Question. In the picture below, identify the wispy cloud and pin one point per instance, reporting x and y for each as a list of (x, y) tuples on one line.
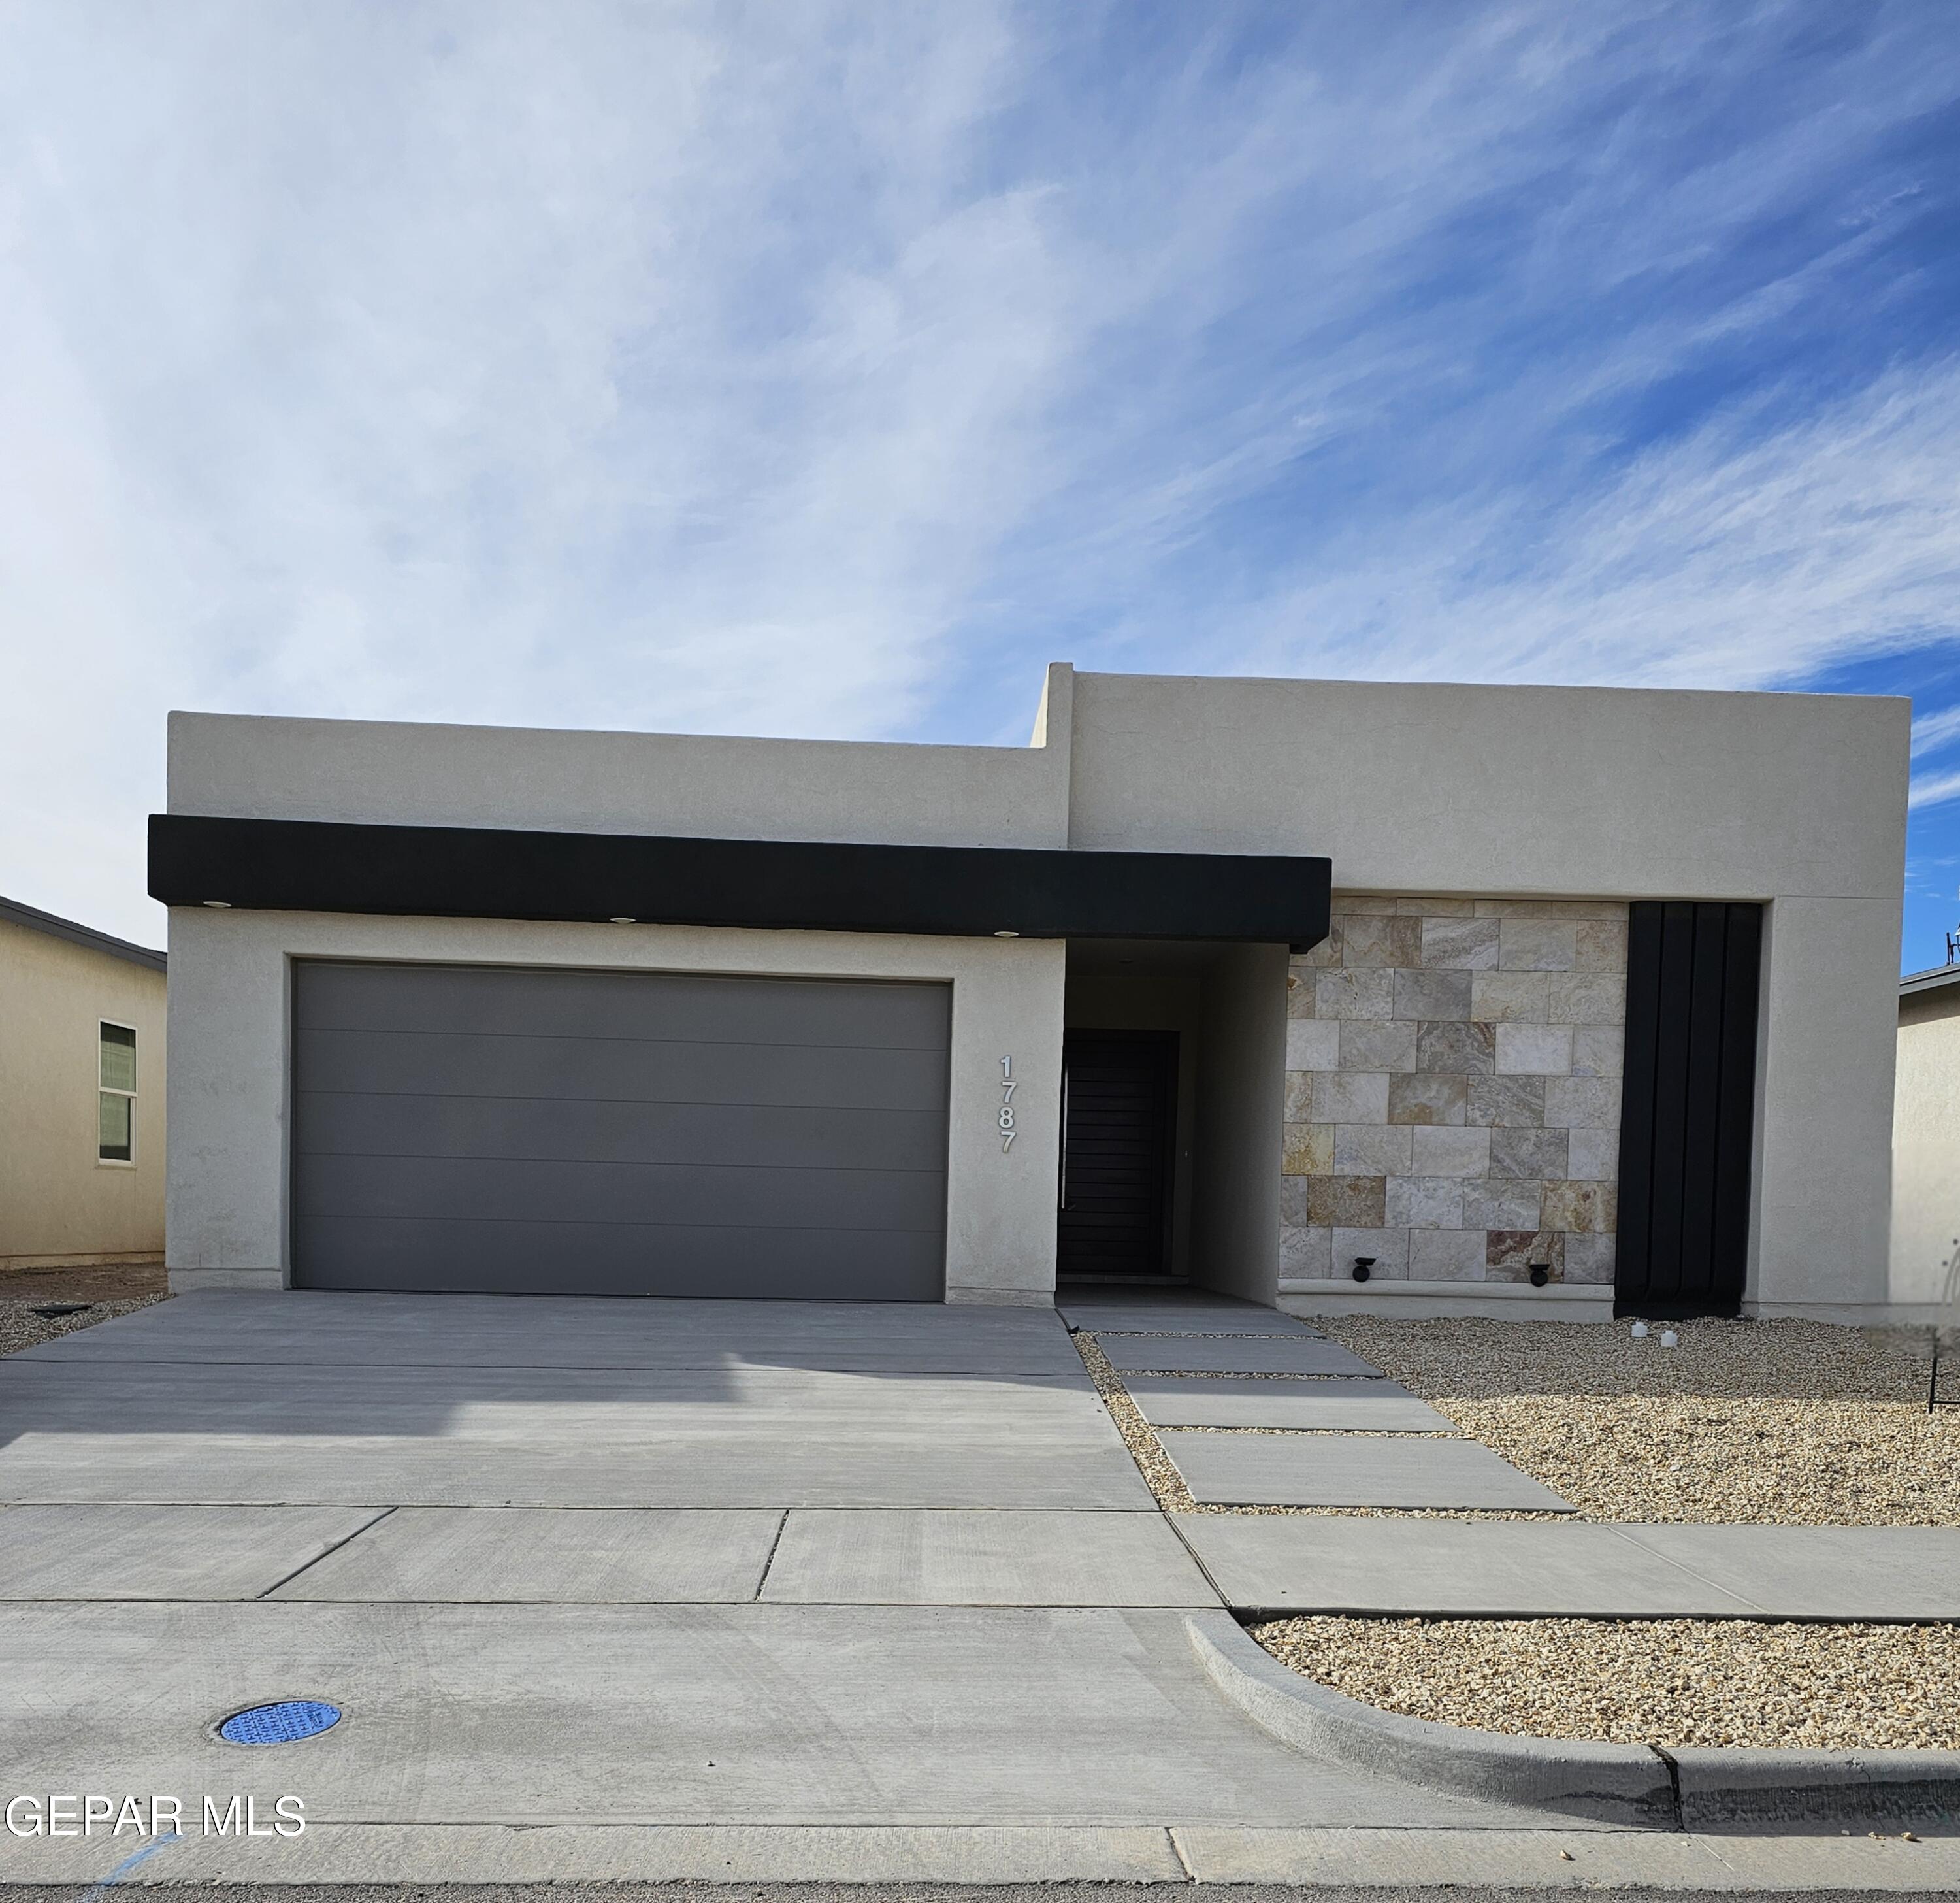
[(1933, 733), (1731, 558), (825, 369)]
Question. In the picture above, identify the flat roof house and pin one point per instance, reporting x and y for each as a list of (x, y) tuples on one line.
[(1413, 998), (1926, 1141), (81, 1094)]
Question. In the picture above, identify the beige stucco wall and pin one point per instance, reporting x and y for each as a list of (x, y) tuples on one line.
[(1925, 1144), (230, 996), (57, 1202), (1241, 1098), (686, 786)]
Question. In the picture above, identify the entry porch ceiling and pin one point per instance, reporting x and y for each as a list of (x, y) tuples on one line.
[(956, 891)]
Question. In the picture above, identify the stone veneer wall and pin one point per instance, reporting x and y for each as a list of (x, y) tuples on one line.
[(1453, 1090)]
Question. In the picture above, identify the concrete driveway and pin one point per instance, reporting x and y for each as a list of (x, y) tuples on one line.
[(604, 1568)]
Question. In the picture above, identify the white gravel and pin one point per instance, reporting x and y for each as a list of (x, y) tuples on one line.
[(1670, 1682), (1162, 1477), (1792, 1423)]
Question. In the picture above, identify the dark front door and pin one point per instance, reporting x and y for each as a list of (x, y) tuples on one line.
[(1687, 1117), (1119, 1115)]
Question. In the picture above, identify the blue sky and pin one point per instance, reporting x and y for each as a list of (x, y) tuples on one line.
[(827, 369)]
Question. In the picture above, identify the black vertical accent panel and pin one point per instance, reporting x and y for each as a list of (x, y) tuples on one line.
[(1670, 1092), (1734, 1164), (1636, 1098), (1701, 1108), (1687, 1114)]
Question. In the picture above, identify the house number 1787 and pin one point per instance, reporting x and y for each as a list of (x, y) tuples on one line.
[(1007, 1088)]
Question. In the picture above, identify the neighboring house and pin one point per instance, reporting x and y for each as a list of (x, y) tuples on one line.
[(81, 1094), (1267, 984), (1925, 1136)]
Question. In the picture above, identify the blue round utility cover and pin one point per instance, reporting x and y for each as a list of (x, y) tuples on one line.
[(284, 1723)]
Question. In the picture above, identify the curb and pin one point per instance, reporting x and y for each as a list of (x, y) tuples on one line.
[(1724, 1788), (1610, 1783), (1152, 1863), (1626, 1784)]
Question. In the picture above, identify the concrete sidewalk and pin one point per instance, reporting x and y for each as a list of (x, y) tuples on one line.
[(1520, 1568)]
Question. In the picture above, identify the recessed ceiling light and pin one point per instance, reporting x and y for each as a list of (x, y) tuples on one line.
[(624, 921), (219, 905), (1007, 934)]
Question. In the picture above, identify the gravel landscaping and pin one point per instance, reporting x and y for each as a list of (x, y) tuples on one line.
[(21, 1327), (1162, 1477), (1790, 1423), (103, 1292), (1670, 1682)]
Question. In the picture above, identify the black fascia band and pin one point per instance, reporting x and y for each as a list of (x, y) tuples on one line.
[(960, 891)]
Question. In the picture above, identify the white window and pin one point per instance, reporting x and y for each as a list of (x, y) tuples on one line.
[(116, 1100)]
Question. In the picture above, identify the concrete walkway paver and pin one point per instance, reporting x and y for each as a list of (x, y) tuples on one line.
[(1120, 1310), (1380, 1406), (1318, 1430), (1350, 1470), (1230, 1355)]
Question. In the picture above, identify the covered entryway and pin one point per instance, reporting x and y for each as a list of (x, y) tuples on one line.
[(1176, 1068), (502, 1130)]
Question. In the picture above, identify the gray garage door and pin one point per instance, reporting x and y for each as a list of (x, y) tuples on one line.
[(602, 1133)]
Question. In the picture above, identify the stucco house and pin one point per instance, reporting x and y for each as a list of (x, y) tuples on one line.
[(1926, 1140), (81, 1094), (1417, 999)]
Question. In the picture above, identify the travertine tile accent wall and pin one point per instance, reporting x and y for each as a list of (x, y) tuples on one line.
[(1453, 1090)]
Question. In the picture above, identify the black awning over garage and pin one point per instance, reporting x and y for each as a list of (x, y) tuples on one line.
[(961, 891)]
